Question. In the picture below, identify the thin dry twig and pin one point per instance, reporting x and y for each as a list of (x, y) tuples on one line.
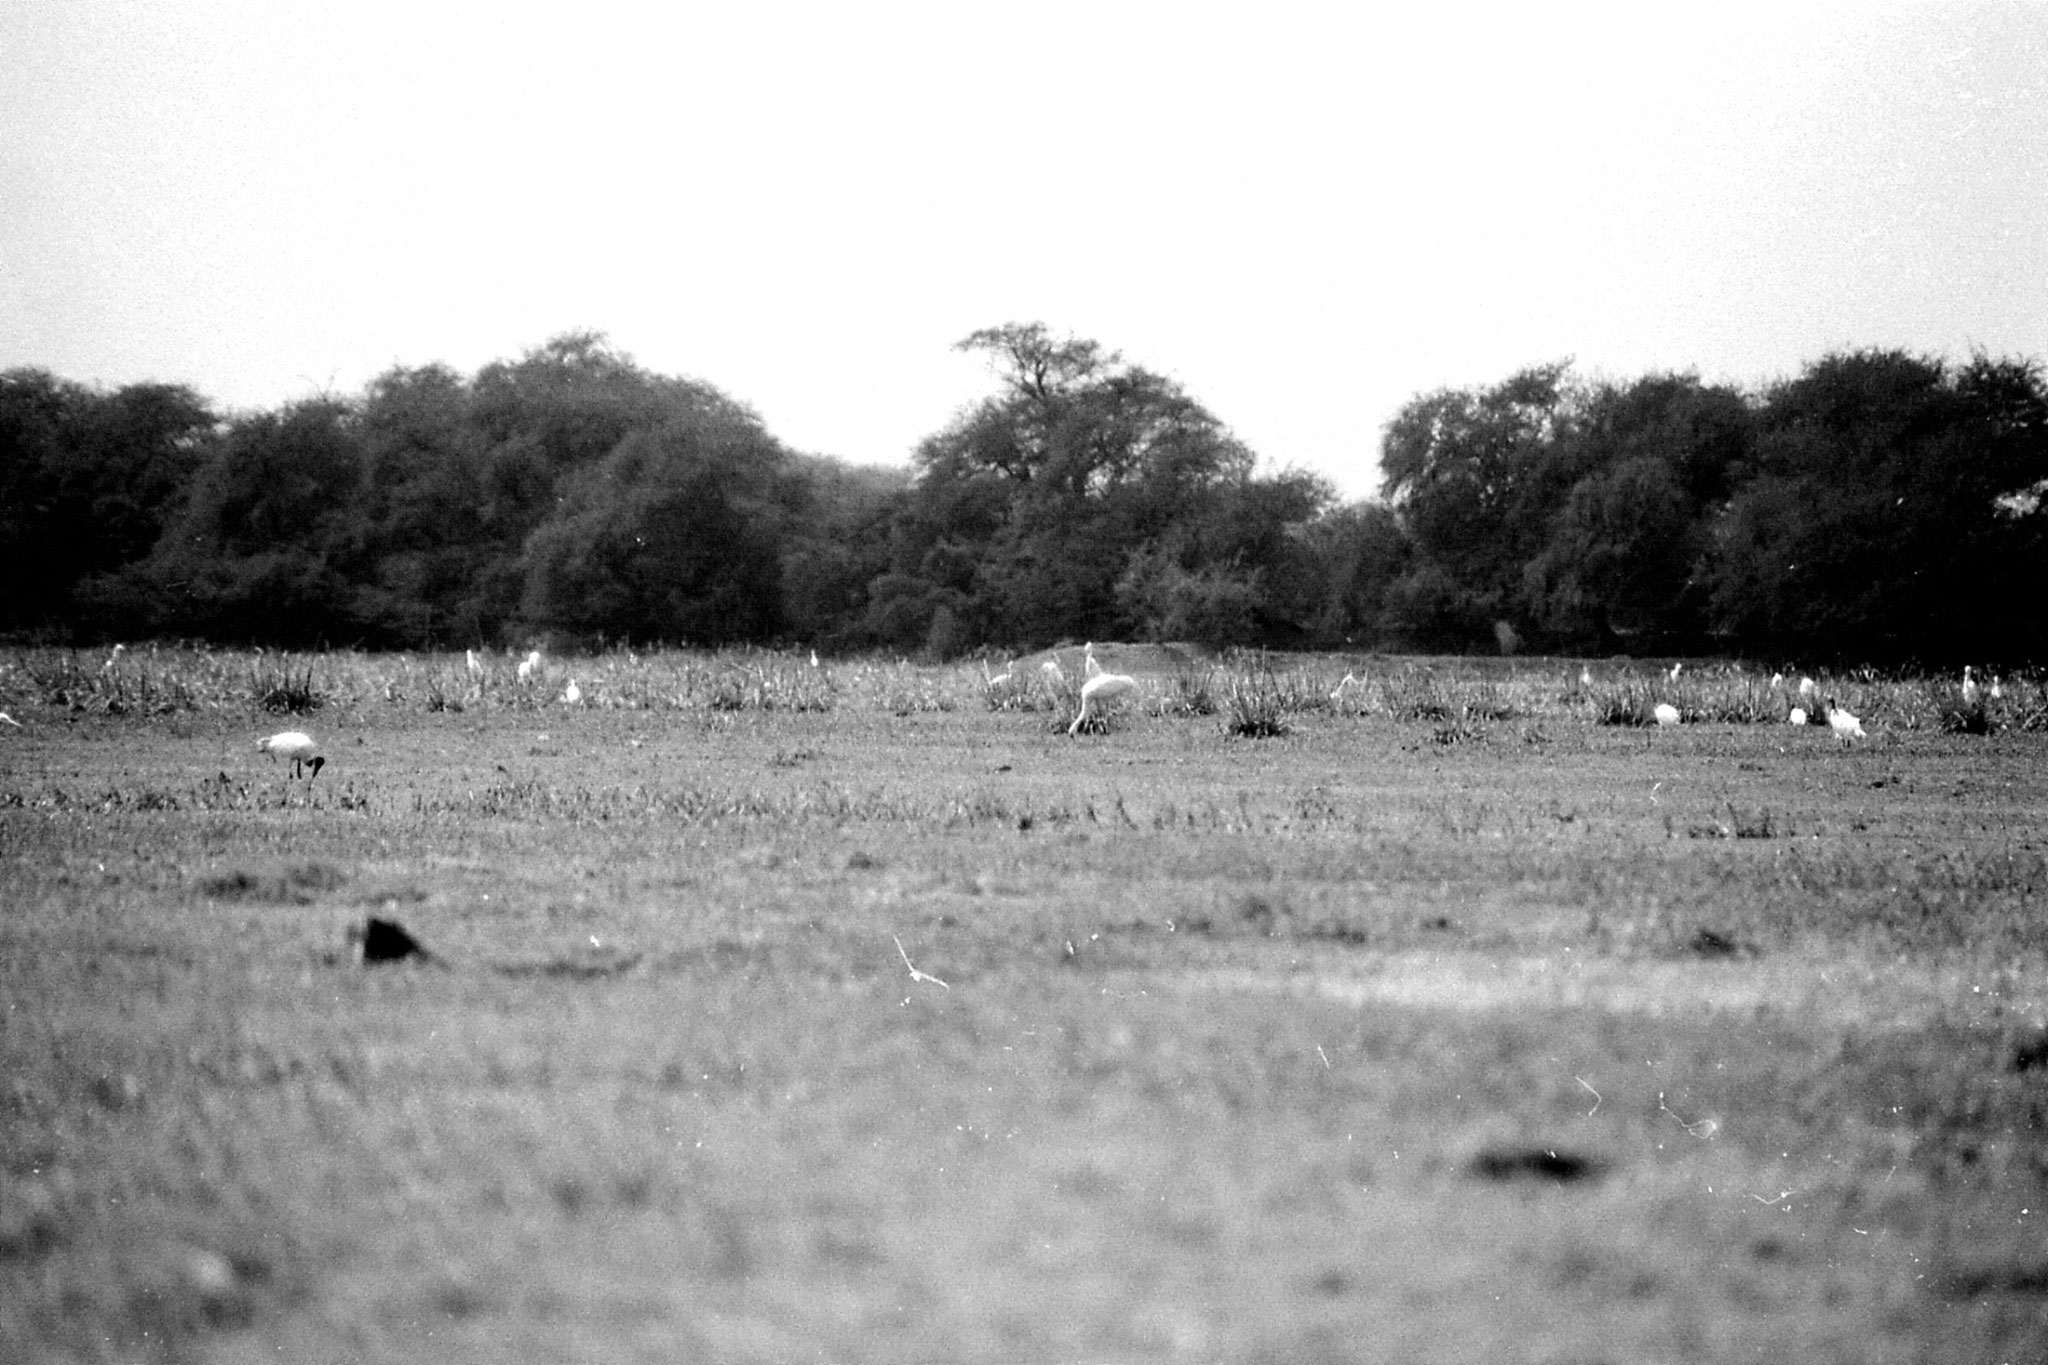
[(915, 974)]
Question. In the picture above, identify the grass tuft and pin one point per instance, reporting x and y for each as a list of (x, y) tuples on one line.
[(1255, 705), (278, 689)]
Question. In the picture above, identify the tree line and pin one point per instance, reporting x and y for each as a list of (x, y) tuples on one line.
[(1880, 506)]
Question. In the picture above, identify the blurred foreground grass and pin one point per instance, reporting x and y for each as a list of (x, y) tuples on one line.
[(1555, 1041)]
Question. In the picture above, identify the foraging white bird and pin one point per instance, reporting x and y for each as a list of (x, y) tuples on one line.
[(1666, 713), (296, 745), (1103, 687), (1798, 716), (1845, 726), (1970, 689), (529, 666), (6, 719), (572, 695)]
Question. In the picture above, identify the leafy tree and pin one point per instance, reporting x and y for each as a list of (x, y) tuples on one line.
[(87, 482), (248, 556), (1649, 460), (420, 549), (1875, 524), (1361, 551), (1032, 508), (1475, 476), (673, 536), (838, 542)]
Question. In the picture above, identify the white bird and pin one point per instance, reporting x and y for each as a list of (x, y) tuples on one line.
[(1997, 688), (1970, 689), (6, 719), (1675, 670), (1054, 674), (476, 665), (1585, 675), (529, 666), (572, 694), (1103, 687), (814, 658), (1777, 681), (113, 659), (1001, 679), (1088, 664), (1337, 692), (1808, 691), (296, 745), (1845, 726), (1798, 716), (1666, 713)]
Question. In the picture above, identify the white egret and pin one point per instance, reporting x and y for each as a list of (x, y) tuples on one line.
[(1666, 713), (572, 695), (1798, 716), (1845, 726), (1103, 687), (529, 666)]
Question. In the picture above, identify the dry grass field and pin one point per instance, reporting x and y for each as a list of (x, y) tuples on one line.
[(858, 1014)]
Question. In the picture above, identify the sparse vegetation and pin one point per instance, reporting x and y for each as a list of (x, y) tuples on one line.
[(1696, 1044)]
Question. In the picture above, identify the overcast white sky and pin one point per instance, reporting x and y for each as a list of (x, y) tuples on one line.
[(1306, 214)]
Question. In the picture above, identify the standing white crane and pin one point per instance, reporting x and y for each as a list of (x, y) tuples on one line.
[(572, 695), (475, 665), (1088, 664), (1100, 689), (296, 745), (529, 666)]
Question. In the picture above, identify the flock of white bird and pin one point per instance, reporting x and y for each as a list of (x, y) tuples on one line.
[(1099, 689)]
